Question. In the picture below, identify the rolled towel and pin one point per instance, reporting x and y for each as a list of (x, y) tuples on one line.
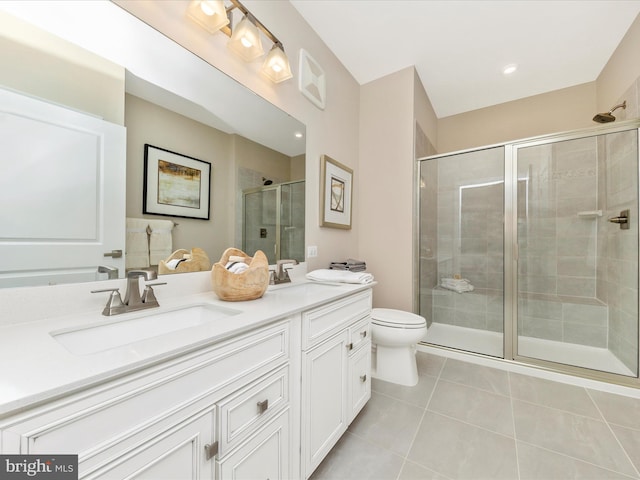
[(236, 267), (173, 264), (459, 285), (340, 276)]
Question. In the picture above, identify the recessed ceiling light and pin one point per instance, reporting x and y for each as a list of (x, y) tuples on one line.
[(509, 69), (298, 135)]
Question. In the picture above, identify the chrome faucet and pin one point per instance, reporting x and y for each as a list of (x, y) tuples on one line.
[(281, 275), (112, 272), (132, 300)]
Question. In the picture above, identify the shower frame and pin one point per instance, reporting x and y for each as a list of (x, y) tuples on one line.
[(277, 188), (510, 253)]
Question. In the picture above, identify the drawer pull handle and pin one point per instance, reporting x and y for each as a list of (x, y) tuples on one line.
[(349, 346), (263, 405), (363, 334), (363, 378), (211, 450)]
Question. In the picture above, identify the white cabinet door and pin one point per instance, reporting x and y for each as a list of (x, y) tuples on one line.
[(176, 454), (263, 456), (324, 398), (77, 164)]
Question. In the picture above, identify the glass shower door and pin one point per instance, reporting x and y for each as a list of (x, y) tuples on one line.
[(577, 270), (292, 221), (462, 249), (260, 221), (273, 221)]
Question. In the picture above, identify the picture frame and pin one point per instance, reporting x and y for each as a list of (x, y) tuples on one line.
[(336, 193), (175, 185)]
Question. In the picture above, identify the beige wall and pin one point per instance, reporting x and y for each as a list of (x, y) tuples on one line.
[(622, 70), (385, 194), (558, 111), (43, 65)]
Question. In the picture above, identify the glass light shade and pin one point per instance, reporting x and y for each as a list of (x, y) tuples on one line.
[(245, 40), (209, 14), (276, 66)]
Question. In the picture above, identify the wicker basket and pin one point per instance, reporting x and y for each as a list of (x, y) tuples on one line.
[(237, 287), (197, 261)]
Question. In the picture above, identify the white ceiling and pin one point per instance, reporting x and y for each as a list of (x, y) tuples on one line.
[(460, 47)]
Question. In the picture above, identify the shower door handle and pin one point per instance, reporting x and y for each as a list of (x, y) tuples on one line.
[(622, 220)]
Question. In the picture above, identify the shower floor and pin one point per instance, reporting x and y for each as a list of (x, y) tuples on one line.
[(491, 343)]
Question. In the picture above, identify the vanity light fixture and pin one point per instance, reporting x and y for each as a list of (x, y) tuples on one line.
[(209, 14), (245, 40), (276, 66), (245, 37)]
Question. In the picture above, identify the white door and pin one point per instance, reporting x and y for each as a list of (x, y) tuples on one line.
[(62, 193)]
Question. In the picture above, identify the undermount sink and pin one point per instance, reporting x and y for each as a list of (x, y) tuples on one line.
[(142, 326)]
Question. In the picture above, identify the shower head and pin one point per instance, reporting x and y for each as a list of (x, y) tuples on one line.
[(607, 117)]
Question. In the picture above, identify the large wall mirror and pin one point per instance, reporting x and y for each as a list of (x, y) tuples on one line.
[(95, 58)]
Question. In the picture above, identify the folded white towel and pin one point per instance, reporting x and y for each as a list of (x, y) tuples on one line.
[(160, 240), (340, 276), (459, 285), (136, 243)]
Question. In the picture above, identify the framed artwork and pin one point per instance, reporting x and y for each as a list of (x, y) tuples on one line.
[(336, 192), (175, 185)]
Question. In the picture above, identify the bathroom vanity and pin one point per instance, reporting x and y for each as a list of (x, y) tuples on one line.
[(243, 390)]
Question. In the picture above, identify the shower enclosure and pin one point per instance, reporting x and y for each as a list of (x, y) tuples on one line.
[(545, 233), (273, 220)]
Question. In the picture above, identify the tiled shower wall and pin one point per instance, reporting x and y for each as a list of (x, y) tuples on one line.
[(617, 283)]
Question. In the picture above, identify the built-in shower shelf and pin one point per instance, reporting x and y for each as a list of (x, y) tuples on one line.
[(590, 214)]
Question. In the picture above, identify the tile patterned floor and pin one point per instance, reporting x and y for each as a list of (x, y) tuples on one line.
[(467, 421)]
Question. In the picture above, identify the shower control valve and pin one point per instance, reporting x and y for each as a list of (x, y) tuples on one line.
[(622, 220)]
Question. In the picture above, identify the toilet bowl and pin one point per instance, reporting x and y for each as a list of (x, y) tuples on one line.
[(394, 334)]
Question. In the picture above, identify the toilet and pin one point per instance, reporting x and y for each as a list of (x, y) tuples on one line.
[(394, 334)]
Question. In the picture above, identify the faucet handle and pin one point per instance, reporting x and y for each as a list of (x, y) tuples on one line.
[(149, 296), (114, 304)]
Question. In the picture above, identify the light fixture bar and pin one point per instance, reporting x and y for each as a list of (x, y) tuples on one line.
[(258, 23)]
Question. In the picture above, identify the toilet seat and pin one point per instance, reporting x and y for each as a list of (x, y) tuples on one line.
[(387, 317)]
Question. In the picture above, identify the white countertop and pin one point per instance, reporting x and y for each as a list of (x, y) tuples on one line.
[(34, 367)]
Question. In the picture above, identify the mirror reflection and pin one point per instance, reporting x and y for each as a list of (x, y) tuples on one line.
[(191, 108)]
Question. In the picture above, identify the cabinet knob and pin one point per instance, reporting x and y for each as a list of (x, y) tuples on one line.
[(263, 405), (349, 346), (363, 334), (363, 378)]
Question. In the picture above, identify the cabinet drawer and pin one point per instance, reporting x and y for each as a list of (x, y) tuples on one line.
[(359, 379), (243, 412), (359, 333), (320, 323), (101, 422)]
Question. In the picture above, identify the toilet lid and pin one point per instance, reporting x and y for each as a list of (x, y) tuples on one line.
[(397, 318)]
